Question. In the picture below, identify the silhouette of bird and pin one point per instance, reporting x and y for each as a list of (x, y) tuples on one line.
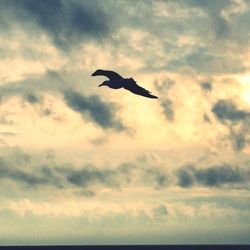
[(116, 82)]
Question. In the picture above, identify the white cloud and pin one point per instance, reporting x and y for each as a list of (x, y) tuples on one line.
[(25, 55)]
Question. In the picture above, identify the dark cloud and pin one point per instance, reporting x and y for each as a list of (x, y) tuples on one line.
[(205, 54), (155, 176), (236, 120), (90, 175), (67, 22), (40, 176), (241, 27), (19, 157), (206, 86), (218, 23), (94, 108), (185, 176), (238, 139), (164, 85), (32, 98), (46, 112), (219, 175), (28, 89), (167, 105), (15, 174), (25, 170), (227, 110), (86, 193), (214, 176), (168, 109), (202, 59), (142, 174), (216, 6)]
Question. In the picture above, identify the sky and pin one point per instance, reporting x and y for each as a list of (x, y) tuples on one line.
[(86, 165)]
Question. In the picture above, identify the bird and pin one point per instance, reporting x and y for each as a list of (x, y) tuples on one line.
[(116, 82)]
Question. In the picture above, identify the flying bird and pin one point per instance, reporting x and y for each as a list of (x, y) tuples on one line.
[(116, 82)]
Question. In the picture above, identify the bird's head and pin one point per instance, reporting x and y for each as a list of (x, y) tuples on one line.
[(105, 83)]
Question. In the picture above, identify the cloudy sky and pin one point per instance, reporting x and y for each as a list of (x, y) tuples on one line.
[(86, 165)]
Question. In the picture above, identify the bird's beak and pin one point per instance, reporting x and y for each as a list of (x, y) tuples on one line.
[(101, 85)]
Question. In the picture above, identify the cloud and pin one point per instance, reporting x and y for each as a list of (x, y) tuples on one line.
[(38, 174), (204, 60), (154, 176), (90, 175), (240, 203), (167, 105), (5, 119), (99, 140), (95, 109), (28, 89), (42, 176), (189, 45), (160, 212), (213, 176), (43, 172), (207, 86), (214, 10), (238, 139), (7, 134), (32, 98), (206, 118), (217, 176), (227, 110), (168, 110), (164, 85), (91, 107), (236, 120), (66, 22), (185, 176), (20, 176)]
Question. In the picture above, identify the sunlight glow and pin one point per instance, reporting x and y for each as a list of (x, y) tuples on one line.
[(245, 92)]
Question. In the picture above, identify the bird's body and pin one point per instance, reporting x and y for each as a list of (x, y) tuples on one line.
[(116, 82)]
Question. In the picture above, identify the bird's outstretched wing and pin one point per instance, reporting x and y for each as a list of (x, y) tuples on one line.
[(132, 86), (113, 76)]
